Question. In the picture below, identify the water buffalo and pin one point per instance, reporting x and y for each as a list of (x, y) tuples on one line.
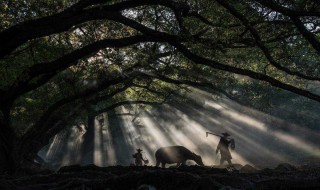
[(176, 154)]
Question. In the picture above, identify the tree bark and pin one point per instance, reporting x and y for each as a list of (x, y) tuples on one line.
[(88, 141), (8, 162)]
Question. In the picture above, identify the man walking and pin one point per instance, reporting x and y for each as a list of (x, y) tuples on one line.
[(223, 147)]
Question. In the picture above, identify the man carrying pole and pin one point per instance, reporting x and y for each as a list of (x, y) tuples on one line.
[(223, 147)]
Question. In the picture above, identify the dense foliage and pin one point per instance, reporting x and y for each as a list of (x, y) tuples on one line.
[(62, 60)]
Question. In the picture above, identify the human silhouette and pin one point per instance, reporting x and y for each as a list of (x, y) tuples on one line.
[(138, 158), (223, 147)]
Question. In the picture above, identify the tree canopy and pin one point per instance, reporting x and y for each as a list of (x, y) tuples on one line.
[(89, 56)]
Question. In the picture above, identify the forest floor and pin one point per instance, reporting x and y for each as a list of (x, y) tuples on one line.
[(284, 176)]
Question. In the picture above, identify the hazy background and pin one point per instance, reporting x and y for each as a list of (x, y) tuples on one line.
[(263, 138)]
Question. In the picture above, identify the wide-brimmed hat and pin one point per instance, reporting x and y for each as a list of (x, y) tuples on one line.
[(226, 134), (139, 150)]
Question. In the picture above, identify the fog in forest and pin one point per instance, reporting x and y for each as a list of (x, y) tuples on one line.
[(262, 140)]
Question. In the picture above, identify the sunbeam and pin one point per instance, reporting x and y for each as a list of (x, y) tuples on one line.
[(261, 140), (98, 155), (108, 143)]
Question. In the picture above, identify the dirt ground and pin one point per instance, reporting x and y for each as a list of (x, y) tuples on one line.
[(284, 176)]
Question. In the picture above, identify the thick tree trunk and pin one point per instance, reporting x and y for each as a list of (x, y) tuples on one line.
[(8, 162)]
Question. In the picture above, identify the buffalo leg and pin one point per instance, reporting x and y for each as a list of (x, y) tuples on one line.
[(163, 165)]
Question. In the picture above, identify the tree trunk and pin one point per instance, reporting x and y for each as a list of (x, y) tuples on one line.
[(8, 162), (40, 134), (32, 143), (88, 144)]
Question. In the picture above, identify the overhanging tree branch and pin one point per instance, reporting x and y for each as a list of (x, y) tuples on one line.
[(294, 16), (15, 36), (259, 42), (310, 37), (115, 105), (174, 41), (40, 127), (287, 11), (48, 70), (86, 93), (214, 64)]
